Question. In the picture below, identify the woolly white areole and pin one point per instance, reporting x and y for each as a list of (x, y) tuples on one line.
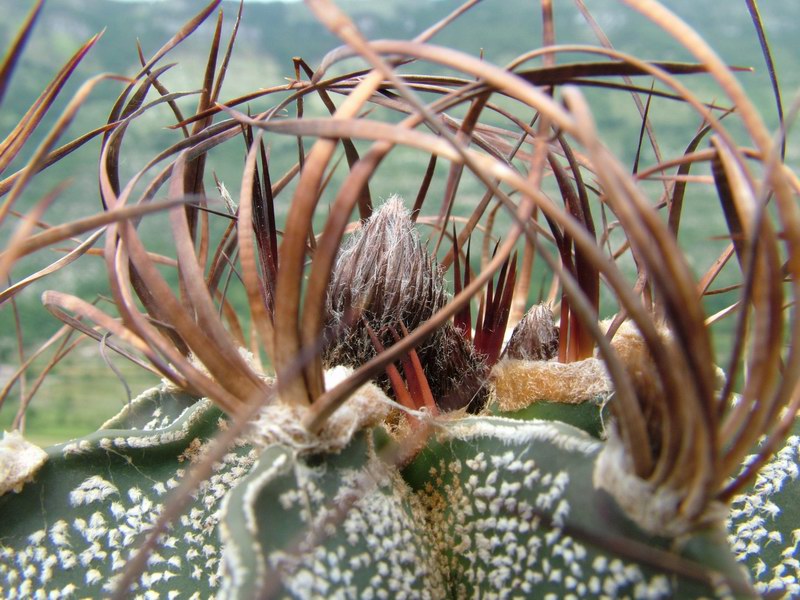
[(19, 461), (657, 510), (281, 422)]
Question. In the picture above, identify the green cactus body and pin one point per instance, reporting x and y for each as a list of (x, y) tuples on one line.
[(490, 507), (519, 516), (339, 526), (72, 530), (764, 523), (587, 416)]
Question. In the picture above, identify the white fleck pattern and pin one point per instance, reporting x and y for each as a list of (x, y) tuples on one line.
[(106, 521), (759, 533), (93, 489)]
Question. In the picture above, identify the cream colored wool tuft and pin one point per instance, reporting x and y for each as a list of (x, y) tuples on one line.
[(655, 509), (19, 461), (282, 423), (520, 383)]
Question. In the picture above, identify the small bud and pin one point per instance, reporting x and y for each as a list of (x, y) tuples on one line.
[(535, 337)]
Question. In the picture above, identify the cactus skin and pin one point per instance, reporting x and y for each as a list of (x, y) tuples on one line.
[(73, 529), (764, 523), (470, 515), (513, 501), (155, 409), (342, 526), (588, 416)]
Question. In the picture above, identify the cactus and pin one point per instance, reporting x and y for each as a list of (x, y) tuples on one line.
[(75, 526), (395, 446), (762, 525), (489, 506)]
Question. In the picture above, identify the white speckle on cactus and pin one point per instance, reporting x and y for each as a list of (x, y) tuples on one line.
[(159, 420), (93, 489), (753, 529), (328, 566), (19, 461), (35, 539), (511, 551), (93, 576), (142, 439), (97, 542), (76, 448), (509, 431)]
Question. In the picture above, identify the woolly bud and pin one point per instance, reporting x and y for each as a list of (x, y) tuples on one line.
[(535, 337), (384, 276)]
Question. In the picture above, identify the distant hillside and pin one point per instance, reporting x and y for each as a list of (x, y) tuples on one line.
[(272, 33)]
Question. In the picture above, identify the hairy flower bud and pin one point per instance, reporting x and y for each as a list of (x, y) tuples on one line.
[(535, 337), (383, 277)]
